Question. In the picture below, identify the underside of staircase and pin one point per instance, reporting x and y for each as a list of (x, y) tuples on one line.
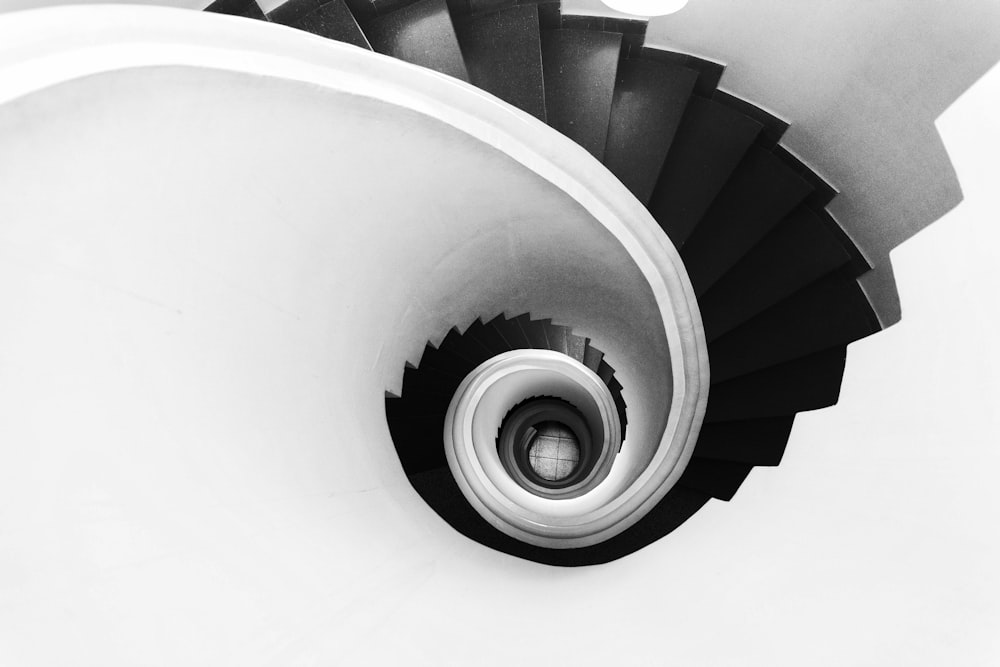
[(774, 274)]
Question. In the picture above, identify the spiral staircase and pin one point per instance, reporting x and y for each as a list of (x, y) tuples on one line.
[(774, 275)]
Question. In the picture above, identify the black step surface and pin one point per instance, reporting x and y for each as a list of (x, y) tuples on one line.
[(292, 11), (831, 312), (719, 479), (649, 101), (434, 45), (580, 68), (592, 357), (334, 20), (558, 337), (709, 144), (794, 254), (535, 331), (576, 347), (759, 442), (503, 55), (761, 191), (245, 8), (439, 489), (513, 332), (807, 383)]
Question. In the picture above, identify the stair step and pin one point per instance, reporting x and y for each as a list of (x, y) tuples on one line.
[(808, 383), (580, 68), (773, 128), (576, 346), (615, 387), (649, 102), (558, 337), (797, 252), (760, 193), (444, 361), (503, 55), (513, 333), (293, 11), (434, 45), (719, 479), (831, 312), (709, 72), (245, 8), (759, 442), (708, 146), (605, 372), (592, 357), (334, 20), (420, 448), (535, 331), (469, 347), (488, 338)]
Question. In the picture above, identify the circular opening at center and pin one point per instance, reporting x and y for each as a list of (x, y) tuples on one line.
[(554, 452)]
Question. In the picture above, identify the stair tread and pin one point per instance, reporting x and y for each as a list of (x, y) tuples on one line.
[(580, 68), (503, 55), (576, 346), (797, 252), (761, 191), (434, 46), (708, 145), (831, 312), (557, 337), (759, 442), (334, 20), (245, 8), (592, 357), (649, 101), (288, 13), (535, 331), (513, 333), (806, 383), (720, 479)]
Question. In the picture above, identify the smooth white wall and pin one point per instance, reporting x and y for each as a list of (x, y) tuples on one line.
[(209, 280)]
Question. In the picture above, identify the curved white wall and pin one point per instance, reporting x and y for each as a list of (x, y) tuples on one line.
[(873, 543)]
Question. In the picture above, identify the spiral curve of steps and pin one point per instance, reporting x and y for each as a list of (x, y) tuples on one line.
[(774, 274)]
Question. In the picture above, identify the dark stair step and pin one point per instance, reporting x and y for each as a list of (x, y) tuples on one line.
[(759, 442), (592, 357), (444, 362), (434, 45), (472, 346), (615, 387), (535, 331), (719, 479), (293, 11), (761, 191), (605, 372), (558, 337), (245, 8), (503, 55), (808, 383), (799, 251), (829, 313), (334, 20), (576, 346), (580, 68), (513, 333), (708, 146), (418, 450), (491, 338), (649, 102)]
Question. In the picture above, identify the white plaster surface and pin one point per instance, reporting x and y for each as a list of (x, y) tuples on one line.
[(228, 513)]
